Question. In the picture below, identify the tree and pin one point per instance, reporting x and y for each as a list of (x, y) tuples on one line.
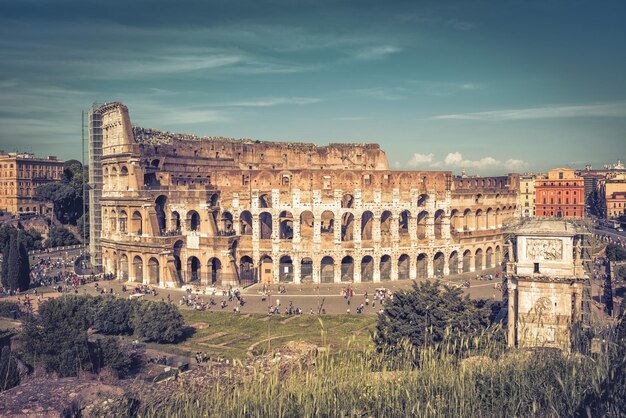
[(158, 321), (83, 226), (23, 276), (9, 373), (60, 236), (429, 313), (113, 316), (13, 270), (615, 252), (67, 201)]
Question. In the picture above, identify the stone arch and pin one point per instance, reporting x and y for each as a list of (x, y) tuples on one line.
[(439, 261), (385, 267), (367, 269), (467, 261), (138, 269), (366, 225), (154, 275), (347, 269), (307, 224), (194, 270), (489, 258), (327, 271), (159, 208), (478, 260), (193, 219), (265, 223), (422, 200), (286, 269), (265, 201), (453, 263), (404, 222), (214, 200), (454, 220), (439, 216), (327, 226), (347, 227), (214, 269), (306, 270), (123, 221), (246, 270), (347, 201), (468, 219), (286, 225), (480, 219), (497, 255), (385, 224), (136, 223), (113, 221), (422, 266), (489, 222), (245, 223), (422, 221), (404, 267), (267, 269), (175, 222), (124, 266)]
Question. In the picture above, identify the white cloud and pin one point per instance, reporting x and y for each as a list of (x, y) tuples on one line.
[(420, 159), (275, 101), (376, 52), (615, 110), (381, 93)]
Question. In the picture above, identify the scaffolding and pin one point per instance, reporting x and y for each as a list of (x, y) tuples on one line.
[(95, 185)]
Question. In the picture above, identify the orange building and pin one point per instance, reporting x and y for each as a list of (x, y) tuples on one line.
[(612, 195), (560, 195), (20, 174)]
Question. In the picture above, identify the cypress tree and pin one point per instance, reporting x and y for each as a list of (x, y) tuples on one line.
[(13, 270), (23, 277), (5, 264)]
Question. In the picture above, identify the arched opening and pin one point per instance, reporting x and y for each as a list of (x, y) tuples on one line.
[(227, 223), (404, 267), (438, 264), (154, 275), (123, 222), (367, 269), (286, 269), (489, 223), (175, 223), (468, 220), (193, 270), (327, 270), (214, 267), (193, 218), (439, 215), (267, 269), (480, 220), (385, 267), (214, 200), (403, 222), (497, 256), (347, 227), (159, 208), (124, 266), (453, 263), (138, 269), (265, 221), (347, 269), (454, 221), (422, 200), (489, 258), (366, 225), (113, 221), (467, 261), (178, 246), (422, 266), (306, 270), (478, 260), (136, 223), (328, 223), (422, 221), (307, 222), (347, 201), (286, 225), (265, 201), (385, 225), (245, 223), (246, 270)]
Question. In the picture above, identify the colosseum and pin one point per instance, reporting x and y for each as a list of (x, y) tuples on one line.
[(180, 210)]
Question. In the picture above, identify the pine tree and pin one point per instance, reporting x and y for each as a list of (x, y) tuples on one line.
[(23, 278), (13, 270)]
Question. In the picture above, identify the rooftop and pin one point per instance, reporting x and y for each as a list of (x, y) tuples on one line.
[(548, 227)]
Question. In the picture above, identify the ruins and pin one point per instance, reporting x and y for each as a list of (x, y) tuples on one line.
[(177, 209)]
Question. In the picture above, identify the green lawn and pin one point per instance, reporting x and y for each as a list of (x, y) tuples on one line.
[(233, 336)]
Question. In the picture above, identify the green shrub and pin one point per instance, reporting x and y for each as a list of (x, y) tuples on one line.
[(113, 316), (7, 308), (615, 252), (158, 321)]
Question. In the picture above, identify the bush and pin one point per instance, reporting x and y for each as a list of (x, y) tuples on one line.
[(113, 316), (109, 353), (60, 236), (615, 252), (158, 321), (7, 308)]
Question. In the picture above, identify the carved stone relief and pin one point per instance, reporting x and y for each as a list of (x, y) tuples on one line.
[(544, 249)]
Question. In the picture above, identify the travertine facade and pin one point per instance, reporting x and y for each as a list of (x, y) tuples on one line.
[(177, 209)]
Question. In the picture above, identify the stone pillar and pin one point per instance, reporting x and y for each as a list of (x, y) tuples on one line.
[(317, 228), (430, 227), (337, 229), (296, 228), (577, 302), (376, 229), (512, 308), (275, 228), (357, 269), (395, 228), (337, 271), (460, 262), (316, 272), (446, 265), (376, 261), (472, 261), (237, 224), (297, 269), (413, 228), (357, 230), (256, 227), (430, 268), (412, 267), (445, 228)]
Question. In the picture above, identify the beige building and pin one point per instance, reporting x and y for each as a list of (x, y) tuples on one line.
[(546, 283), (527, 195), (20, 175), (182, 210), (612, 195)]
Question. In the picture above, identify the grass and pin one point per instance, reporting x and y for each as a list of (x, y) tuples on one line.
[(233, 336)]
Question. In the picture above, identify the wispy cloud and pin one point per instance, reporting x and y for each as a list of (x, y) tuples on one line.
[(456, 160), (376, 52), (443, 88), (611, 110), (420, 159), (275, 101), (382, 93)]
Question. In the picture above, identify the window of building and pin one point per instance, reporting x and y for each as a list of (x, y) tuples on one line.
[(560, 174)]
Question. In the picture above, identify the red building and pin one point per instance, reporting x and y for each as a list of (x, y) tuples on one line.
[(560, 195)]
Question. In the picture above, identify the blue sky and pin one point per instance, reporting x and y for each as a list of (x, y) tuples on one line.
[(489, 86)]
